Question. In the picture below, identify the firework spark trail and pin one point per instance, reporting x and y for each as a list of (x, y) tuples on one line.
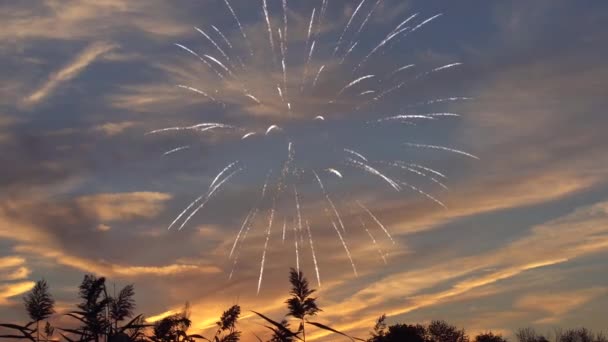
[(369, 169), (423, 194), (429, 170), (352, 263), (280, 92), (305, 76), (255, 211), (443, 148), (222, 52), (355, 82), (447, 66), (448, 99), (181, 148), (284, 228), (322, 15), (404, 117), (218, 62), (426, 22), (200, 127), (335, 172), (209, 195), (398, 27), (417, 172), (373, 240), (265, 248), (200, 198), (405, 67), (369, 15), (247, 135), (238, 253), (400, 85), (314, 83), (367, 92), (376, 220), (238, 22), (295, 241), (356, 35), (331, 203), (355, 153), (314, 255), (284, 67), (417, 27), (219, 175), (225, 39), (272, 128), (390, 37), (222, 36), (429, 116), (348, 26), (270, 35), (312, 20), (255, 99), (285, 21), (348, 52), (238, 236), (202, 59), (200, 92), (297, 198)]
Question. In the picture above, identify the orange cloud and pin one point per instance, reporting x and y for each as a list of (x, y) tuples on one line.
[(557, 304), (104, 268), (123, 206), (14, 289)]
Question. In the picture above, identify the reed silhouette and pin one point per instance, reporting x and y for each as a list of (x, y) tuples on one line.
[(100, 317)]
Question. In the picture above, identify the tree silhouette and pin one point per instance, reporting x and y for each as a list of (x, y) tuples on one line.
[(579, 335), (397, 332), (39, 304), (441, 331), (489, 337), (529, 335)]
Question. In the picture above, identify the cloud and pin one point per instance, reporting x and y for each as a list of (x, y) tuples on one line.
[(104, 268), (581, 233), (14, 289), (123, 206), (68, 72), (11, 261), (17, 274), (557, 304), (113, 128)]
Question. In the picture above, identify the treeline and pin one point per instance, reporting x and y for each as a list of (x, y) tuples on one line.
[(100, 317)]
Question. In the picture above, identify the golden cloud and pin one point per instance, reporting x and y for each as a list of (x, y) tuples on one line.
[(123, 206), (14, 289)]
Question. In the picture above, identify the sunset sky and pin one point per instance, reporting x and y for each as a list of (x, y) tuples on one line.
[(523, 237)]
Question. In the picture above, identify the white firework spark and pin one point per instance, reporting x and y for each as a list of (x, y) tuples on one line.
[(357, 75)]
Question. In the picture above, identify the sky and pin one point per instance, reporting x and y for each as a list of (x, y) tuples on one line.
[(512, 234)]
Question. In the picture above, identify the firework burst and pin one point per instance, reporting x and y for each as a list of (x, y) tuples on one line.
[(305, 83)]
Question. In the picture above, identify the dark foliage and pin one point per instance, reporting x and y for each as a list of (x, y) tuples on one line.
[(489, 337), (39, 303)]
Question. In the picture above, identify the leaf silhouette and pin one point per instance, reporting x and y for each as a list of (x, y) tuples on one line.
[(325, 327), (278, 325)]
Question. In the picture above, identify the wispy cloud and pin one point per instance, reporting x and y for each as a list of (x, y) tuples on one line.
[(68, 72), (123, 206)]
